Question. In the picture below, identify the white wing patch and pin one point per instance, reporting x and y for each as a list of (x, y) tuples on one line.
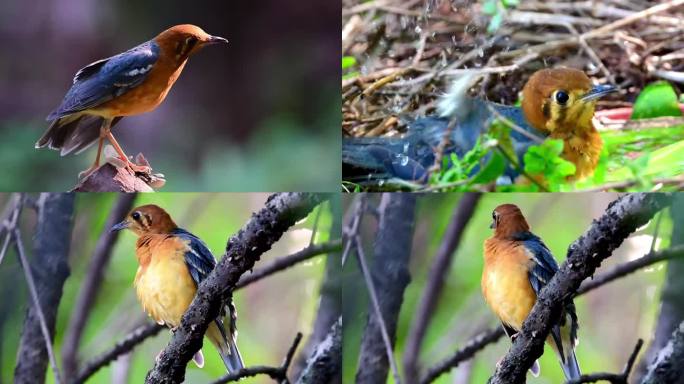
[(139, 71)]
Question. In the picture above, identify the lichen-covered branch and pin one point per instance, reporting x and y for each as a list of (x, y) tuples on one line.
[(325, 363)]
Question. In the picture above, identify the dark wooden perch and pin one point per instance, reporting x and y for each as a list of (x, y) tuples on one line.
[(621, 218), (113, 177), (325, 363), (243, 250)]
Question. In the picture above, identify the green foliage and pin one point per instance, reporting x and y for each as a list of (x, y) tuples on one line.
[(497, 10), (544, 159), (458, 172), (348, 62), (656, 100)]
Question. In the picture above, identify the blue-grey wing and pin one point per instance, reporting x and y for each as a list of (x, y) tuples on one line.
[(198, 258), (106, 79), (545, 265)]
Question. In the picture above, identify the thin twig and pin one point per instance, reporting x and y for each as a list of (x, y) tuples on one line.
[(122, 347), (614, 378), (276, 373), (360, 256), (629, 267), (36, 302), (285, 262)]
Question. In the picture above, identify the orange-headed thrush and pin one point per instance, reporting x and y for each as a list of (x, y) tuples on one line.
[(517, 265), (172, 263), (127, 84), (557, 103)]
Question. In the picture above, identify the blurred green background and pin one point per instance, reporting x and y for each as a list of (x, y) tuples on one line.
[(611, 318), (270, 311), (259, 114)]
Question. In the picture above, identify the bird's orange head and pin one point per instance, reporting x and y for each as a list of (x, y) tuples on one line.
[(561, 100), (183, 40), (507, 219), (147, 220)]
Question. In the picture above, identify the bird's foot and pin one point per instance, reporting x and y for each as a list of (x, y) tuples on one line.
[(88, 172)]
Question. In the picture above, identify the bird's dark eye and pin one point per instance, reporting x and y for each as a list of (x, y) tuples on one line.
[(562, 97), (136, 216)]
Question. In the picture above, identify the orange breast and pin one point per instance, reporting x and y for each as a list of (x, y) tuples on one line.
[(505, 283), (583, 149), (163, 283), (146, 96)]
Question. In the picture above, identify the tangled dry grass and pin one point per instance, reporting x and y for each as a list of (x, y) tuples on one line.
[(406, 51)]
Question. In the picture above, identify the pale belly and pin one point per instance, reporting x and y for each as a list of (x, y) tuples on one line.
[(509, 295), (165, 291)]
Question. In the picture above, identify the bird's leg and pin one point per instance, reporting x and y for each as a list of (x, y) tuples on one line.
[(122, 155), (103, 129)]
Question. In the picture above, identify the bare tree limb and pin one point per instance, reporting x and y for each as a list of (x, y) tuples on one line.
[(281, 211), (435, 283), (667, 366), (474, 345), (330, 292), (622, 217), (109, 178), (386, 282), (625, 269), (45, 279), (122, 347), (91, 285), (285, 262), (671, 312), (615, 378), (325, 363), (276, 373)]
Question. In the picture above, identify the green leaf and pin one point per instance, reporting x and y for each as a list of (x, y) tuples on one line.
[(348, 62), (511, 3), (489, 7), (491, 171), (656, 100), (495, 22)]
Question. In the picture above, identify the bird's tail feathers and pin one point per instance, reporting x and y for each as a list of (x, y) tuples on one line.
[(570, 366), (226, 346), (453, 104), (72, 133), (534, 369)]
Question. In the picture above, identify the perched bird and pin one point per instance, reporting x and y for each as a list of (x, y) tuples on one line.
[(172, 263), (127, 84), (556, 103), (517, 265)]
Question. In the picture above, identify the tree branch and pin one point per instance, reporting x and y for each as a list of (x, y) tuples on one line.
[(243, 250), (109, 178), (625, 269), (671, 312), (614, 378), (122, 347), (667, 367), (386, 283), (285, 262), (91, 285), (435, 283), (473, 346), (276, 373), (622, 217), (330, 302), (325, 363), (45, 279)]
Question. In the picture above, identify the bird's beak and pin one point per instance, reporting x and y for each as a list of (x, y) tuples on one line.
[(598, 92), (122, 225), (215, 40), (492, 225)]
